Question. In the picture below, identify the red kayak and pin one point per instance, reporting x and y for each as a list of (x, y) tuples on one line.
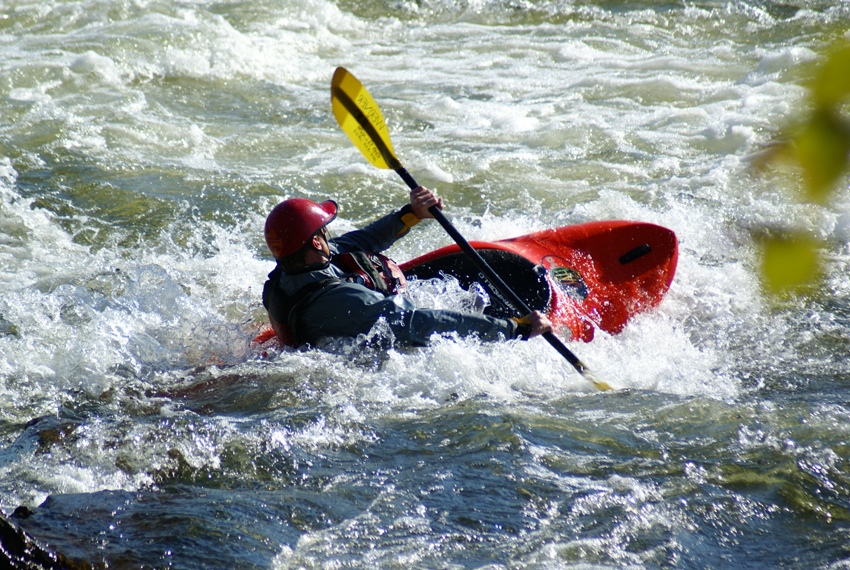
[(585, 276)]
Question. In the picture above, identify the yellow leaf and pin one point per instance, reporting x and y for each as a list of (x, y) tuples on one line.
[(832, 84), (790, 264), (822, 149)]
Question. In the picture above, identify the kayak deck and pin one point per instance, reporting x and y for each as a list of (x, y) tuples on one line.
[(585, 276)]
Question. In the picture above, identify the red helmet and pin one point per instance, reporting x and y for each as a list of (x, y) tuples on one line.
[(293, 222)]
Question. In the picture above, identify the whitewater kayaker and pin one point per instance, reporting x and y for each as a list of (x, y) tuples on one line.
[(326, 287)]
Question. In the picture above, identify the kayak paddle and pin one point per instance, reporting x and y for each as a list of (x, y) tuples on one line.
[(361, 119)]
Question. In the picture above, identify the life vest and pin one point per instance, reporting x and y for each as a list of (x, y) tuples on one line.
[(372, 270)]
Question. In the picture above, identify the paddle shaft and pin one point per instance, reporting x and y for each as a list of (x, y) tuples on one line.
[(488, 273)]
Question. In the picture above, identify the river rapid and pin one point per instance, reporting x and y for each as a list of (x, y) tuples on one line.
[(143, 142)]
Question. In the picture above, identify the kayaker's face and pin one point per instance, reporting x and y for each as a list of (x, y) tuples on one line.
[(320, 252), (324, 247)]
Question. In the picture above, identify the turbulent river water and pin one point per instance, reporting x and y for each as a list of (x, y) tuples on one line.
[(143, 142)]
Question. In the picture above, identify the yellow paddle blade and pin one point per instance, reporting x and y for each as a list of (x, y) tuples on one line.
[(361, 119), (600, 385)]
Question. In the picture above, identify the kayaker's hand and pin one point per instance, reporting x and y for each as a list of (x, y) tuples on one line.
[(421, 199), (538, 323)]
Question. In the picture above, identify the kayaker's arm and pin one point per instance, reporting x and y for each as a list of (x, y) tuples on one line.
[(348, 310), (382, 233)]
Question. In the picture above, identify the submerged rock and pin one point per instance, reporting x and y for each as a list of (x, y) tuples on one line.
[(19, 550)]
